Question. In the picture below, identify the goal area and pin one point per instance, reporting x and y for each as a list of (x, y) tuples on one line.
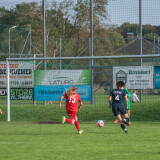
[(32, 84)]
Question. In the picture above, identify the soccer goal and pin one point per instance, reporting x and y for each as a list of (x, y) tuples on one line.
[(35, 85)]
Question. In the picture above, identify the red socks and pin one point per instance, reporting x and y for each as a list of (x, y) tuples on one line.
[(77, 125)]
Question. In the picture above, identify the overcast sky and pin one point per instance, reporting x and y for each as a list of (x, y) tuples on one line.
[(119, 11)]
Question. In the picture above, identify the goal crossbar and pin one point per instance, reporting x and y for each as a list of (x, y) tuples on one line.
[(88, 57)]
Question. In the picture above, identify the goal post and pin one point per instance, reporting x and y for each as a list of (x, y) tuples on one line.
[(8, 91), (103, 79)]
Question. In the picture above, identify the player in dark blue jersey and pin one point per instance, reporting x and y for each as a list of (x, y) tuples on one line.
[(116, 100)]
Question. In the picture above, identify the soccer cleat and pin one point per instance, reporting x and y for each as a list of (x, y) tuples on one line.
[(129, 123), (125, 122), (63, 119), (80, 132), (116, 120), (125, 130)]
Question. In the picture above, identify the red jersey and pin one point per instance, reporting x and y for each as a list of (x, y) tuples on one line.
[(71, 102)]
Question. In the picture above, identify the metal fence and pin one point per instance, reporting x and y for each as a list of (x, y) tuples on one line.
[(101, 80), (73, 29), (117, 30)]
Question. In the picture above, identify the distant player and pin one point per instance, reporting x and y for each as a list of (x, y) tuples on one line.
[(129, 95), (134, 97), (49, 102), (71, 106), (116, 100), (1, 112)]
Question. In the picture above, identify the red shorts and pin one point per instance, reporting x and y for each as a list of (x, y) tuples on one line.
[(72, 115)]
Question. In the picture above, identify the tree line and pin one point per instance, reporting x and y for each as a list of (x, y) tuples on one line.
[(67, 28)]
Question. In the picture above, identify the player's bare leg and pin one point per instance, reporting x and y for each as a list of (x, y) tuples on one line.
[(115, 121), (128, 111)]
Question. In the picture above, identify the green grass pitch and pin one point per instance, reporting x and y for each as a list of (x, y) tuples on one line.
[(29, 141), (25, 139)]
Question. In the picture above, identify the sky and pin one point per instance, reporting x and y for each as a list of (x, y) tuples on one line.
[(119, 11)]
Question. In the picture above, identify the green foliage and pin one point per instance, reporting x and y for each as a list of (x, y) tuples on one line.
[(71, 27), (128, 27), (117, 39), (134, 28), (69, 21), (147, 29), (150, 36)]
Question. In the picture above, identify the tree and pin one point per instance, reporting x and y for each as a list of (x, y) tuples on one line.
[(150, 36), (127, 27), (148, 29)]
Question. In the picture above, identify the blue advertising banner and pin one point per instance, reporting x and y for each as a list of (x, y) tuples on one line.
[(157, 76), (53, 93)]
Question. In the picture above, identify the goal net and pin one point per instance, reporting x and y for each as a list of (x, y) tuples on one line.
[(36, 85)]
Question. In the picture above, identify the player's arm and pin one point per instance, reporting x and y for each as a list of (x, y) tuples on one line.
[(126, 99), (80, 103), (137, 97), (110, 101), (60, 102)]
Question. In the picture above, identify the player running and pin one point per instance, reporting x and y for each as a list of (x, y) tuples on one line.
[(129, 95), (116, 99), (71, 106)]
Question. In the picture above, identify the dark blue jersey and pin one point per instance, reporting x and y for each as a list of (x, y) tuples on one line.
[(117, 95)]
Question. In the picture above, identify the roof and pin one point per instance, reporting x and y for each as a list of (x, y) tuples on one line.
[(133, 47)]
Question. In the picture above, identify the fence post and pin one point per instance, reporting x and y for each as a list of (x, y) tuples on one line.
[(44, 39), (140, 37), (91, 48)]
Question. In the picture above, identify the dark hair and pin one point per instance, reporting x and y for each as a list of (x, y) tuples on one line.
[(120, 84)]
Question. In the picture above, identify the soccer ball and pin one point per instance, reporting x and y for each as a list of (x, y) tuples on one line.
[(100, 123), (1, 111)]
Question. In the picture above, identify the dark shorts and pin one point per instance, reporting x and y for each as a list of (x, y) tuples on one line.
[(118, 108)]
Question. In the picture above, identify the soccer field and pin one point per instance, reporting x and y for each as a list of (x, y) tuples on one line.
[(28, 141)]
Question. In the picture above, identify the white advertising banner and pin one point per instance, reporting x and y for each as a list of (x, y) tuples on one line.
[(135, 77), (21, 74), (61, 77)]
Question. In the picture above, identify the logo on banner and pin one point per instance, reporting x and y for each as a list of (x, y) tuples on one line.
[(61, 81), (121, 76)]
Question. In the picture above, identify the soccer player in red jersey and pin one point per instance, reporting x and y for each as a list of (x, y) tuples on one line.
[(71, 106)]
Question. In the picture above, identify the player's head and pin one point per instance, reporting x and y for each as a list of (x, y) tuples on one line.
[(71, 90), (134, 91), (74, 88), (120, 84)]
